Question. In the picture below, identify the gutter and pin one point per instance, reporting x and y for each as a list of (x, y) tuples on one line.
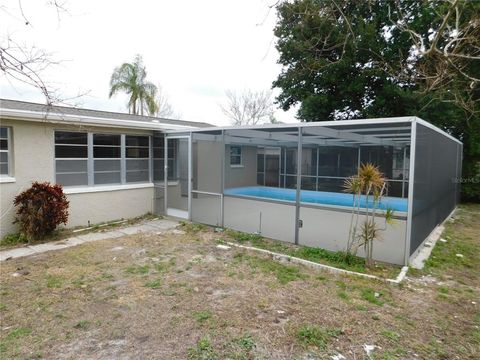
[(56, 118)]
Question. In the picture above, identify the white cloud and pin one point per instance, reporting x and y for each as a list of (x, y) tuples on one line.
[(195, 49)]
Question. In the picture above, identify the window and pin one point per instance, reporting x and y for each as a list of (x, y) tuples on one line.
[(107, 157), (235, 156), (71, 158), (4, 151), (137, 158), (87, 159)]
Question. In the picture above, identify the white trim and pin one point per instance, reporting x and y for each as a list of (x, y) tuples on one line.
[(206, 193), (237, 166), (104, 188), (7, 179), (27, 115)]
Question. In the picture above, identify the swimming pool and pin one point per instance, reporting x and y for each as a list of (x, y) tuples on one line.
[(315, 197)]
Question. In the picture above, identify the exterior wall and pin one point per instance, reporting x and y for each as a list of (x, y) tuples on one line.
[(270, 219), (33, 160), (99, 207), (322, 228), (246, 175), (329, 229)]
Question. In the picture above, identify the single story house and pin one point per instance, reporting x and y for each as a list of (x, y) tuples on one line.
[(284, 181)]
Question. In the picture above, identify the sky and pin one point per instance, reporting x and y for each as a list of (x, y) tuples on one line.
[(195, 50)]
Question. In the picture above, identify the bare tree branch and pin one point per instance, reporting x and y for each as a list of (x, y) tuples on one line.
[(249, 107), (164, 107)]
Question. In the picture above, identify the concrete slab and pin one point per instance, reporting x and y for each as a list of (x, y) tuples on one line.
[(418, 262), (163, 224), (100, 236), (144, 228), (40, 248), (148, 227), (15, 253)]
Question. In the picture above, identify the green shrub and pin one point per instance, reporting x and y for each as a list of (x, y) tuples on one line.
[(14, 239), (40, 209)]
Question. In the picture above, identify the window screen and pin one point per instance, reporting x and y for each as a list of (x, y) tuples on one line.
[(4, 151), (86, 159), (137, 158), (71, 158), (107, 157)]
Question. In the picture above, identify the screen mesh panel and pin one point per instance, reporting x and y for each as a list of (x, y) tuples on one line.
[(435, 189)]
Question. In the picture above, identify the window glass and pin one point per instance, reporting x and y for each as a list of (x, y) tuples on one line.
[(113, 163), (4, 151), (235, 155), (66, 137), (71, 158)]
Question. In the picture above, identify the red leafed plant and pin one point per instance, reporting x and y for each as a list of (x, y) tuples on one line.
[(41, 209)]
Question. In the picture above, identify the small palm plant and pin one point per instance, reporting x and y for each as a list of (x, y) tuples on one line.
[(368, 184)]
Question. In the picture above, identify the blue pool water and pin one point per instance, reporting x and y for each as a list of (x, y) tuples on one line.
[(315, 197)]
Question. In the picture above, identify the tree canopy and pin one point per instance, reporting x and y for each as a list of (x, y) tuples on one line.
[(131, 79), (356, 59)]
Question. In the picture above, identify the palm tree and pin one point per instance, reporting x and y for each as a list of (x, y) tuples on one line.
[(130, 78)]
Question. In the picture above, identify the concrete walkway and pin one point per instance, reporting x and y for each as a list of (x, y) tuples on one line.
[(154, 226)]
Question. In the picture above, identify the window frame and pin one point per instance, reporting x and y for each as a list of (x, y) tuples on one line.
[(239, 165), (9, 153), (55, 159), (91, 159), (118, 159), (148, 159)]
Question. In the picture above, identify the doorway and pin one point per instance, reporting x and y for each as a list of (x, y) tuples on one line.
[(272, 167), (178, 176)]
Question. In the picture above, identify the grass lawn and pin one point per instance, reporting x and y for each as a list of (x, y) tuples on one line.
[(179, 296)]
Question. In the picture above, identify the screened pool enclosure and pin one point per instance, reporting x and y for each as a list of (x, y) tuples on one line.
[(286, 182)]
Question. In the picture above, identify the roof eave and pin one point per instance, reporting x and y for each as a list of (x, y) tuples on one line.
[(51, 117)]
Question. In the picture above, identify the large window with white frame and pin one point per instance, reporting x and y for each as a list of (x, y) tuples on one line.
[(90, 159), (5, 151)]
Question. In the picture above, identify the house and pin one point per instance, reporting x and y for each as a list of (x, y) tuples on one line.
[(103, 159), (284, 181)]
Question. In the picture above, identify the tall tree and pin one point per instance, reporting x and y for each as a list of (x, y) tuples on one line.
[(131, 79), (350, 59), (249, 107)]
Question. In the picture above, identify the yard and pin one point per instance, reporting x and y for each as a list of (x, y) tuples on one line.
[(177, 295)]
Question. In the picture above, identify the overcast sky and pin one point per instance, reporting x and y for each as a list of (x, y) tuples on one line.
[(194, 49)]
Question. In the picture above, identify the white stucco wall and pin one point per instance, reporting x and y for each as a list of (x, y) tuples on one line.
[(32, 157)]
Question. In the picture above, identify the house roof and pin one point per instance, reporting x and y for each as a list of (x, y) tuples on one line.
[(23, 107)]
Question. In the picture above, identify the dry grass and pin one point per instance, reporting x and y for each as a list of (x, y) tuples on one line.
[(178, 296)]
